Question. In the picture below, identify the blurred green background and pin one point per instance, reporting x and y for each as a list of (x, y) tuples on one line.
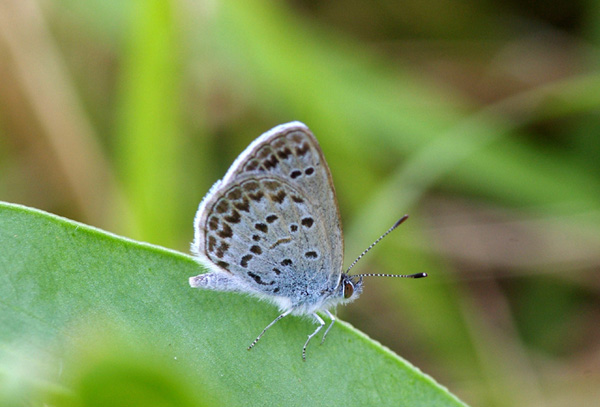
[(479, 119)]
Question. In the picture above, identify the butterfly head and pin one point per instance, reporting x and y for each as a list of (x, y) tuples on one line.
[(350, 287)]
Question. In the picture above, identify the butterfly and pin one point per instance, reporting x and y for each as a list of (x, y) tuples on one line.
[(271, 228)]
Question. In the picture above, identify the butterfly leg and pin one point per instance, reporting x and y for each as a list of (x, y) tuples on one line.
[(332, 317), (321, 325), (285, 314)]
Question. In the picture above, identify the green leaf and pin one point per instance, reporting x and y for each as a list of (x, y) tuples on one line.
[(100, 318)]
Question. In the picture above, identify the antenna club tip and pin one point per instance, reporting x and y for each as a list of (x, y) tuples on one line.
[(402, 219), (417, 275)]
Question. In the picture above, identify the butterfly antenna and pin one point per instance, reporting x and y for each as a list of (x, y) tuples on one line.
[(417, 275), (400, 221)]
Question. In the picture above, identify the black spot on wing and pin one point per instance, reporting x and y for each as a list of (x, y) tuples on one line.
[(311, 255), (245, 260), (258, 279), (234, 217), (307, 222), (279, 197), (225, 231)]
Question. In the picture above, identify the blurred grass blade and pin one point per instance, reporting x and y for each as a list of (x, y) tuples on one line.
[(149, 137)]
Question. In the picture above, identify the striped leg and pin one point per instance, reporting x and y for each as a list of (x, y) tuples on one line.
[(321, 325), (332, 317), (285, 314)]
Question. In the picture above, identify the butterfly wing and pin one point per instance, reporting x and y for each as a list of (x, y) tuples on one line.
[(273, 220)]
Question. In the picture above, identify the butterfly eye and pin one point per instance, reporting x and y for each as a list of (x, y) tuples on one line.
[(348, 290)]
